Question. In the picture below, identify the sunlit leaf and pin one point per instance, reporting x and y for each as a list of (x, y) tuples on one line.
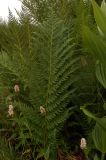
[(99, 17)]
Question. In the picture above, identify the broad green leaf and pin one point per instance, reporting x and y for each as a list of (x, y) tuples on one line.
[(99, 17), (101, 74), (91, 115), (103, 7), (98, 47), (99, 136), (95, 44)]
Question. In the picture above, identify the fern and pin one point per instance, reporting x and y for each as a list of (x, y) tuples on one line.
[(16, 46), (52, 77)]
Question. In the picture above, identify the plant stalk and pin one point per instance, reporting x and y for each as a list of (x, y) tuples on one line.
[(103, 156)]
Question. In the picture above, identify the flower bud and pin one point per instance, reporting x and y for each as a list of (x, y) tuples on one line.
[(16, 88), (10, 110), (83, 143), (42, 110)]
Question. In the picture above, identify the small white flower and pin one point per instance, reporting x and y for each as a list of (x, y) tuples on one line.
[(42, 110), (10, 110), (16, 88), (10, 107), (83, 143)]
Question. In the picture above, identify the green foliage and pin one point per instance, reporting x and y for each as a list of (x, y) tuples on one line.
[(91, 115), (100, 16), (42, 62), (52, 84), (99, 136), (6, 153), (97, 46), (46, 74), (98, 133), (97, 43), (39, 10)]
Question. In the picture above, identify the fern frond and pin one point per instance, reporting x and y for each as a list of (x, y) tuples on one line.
[(52, 77)]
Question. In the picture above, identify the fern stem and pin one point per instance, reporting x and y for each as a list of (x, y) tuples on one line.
[(49, 66), (49, 81)]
